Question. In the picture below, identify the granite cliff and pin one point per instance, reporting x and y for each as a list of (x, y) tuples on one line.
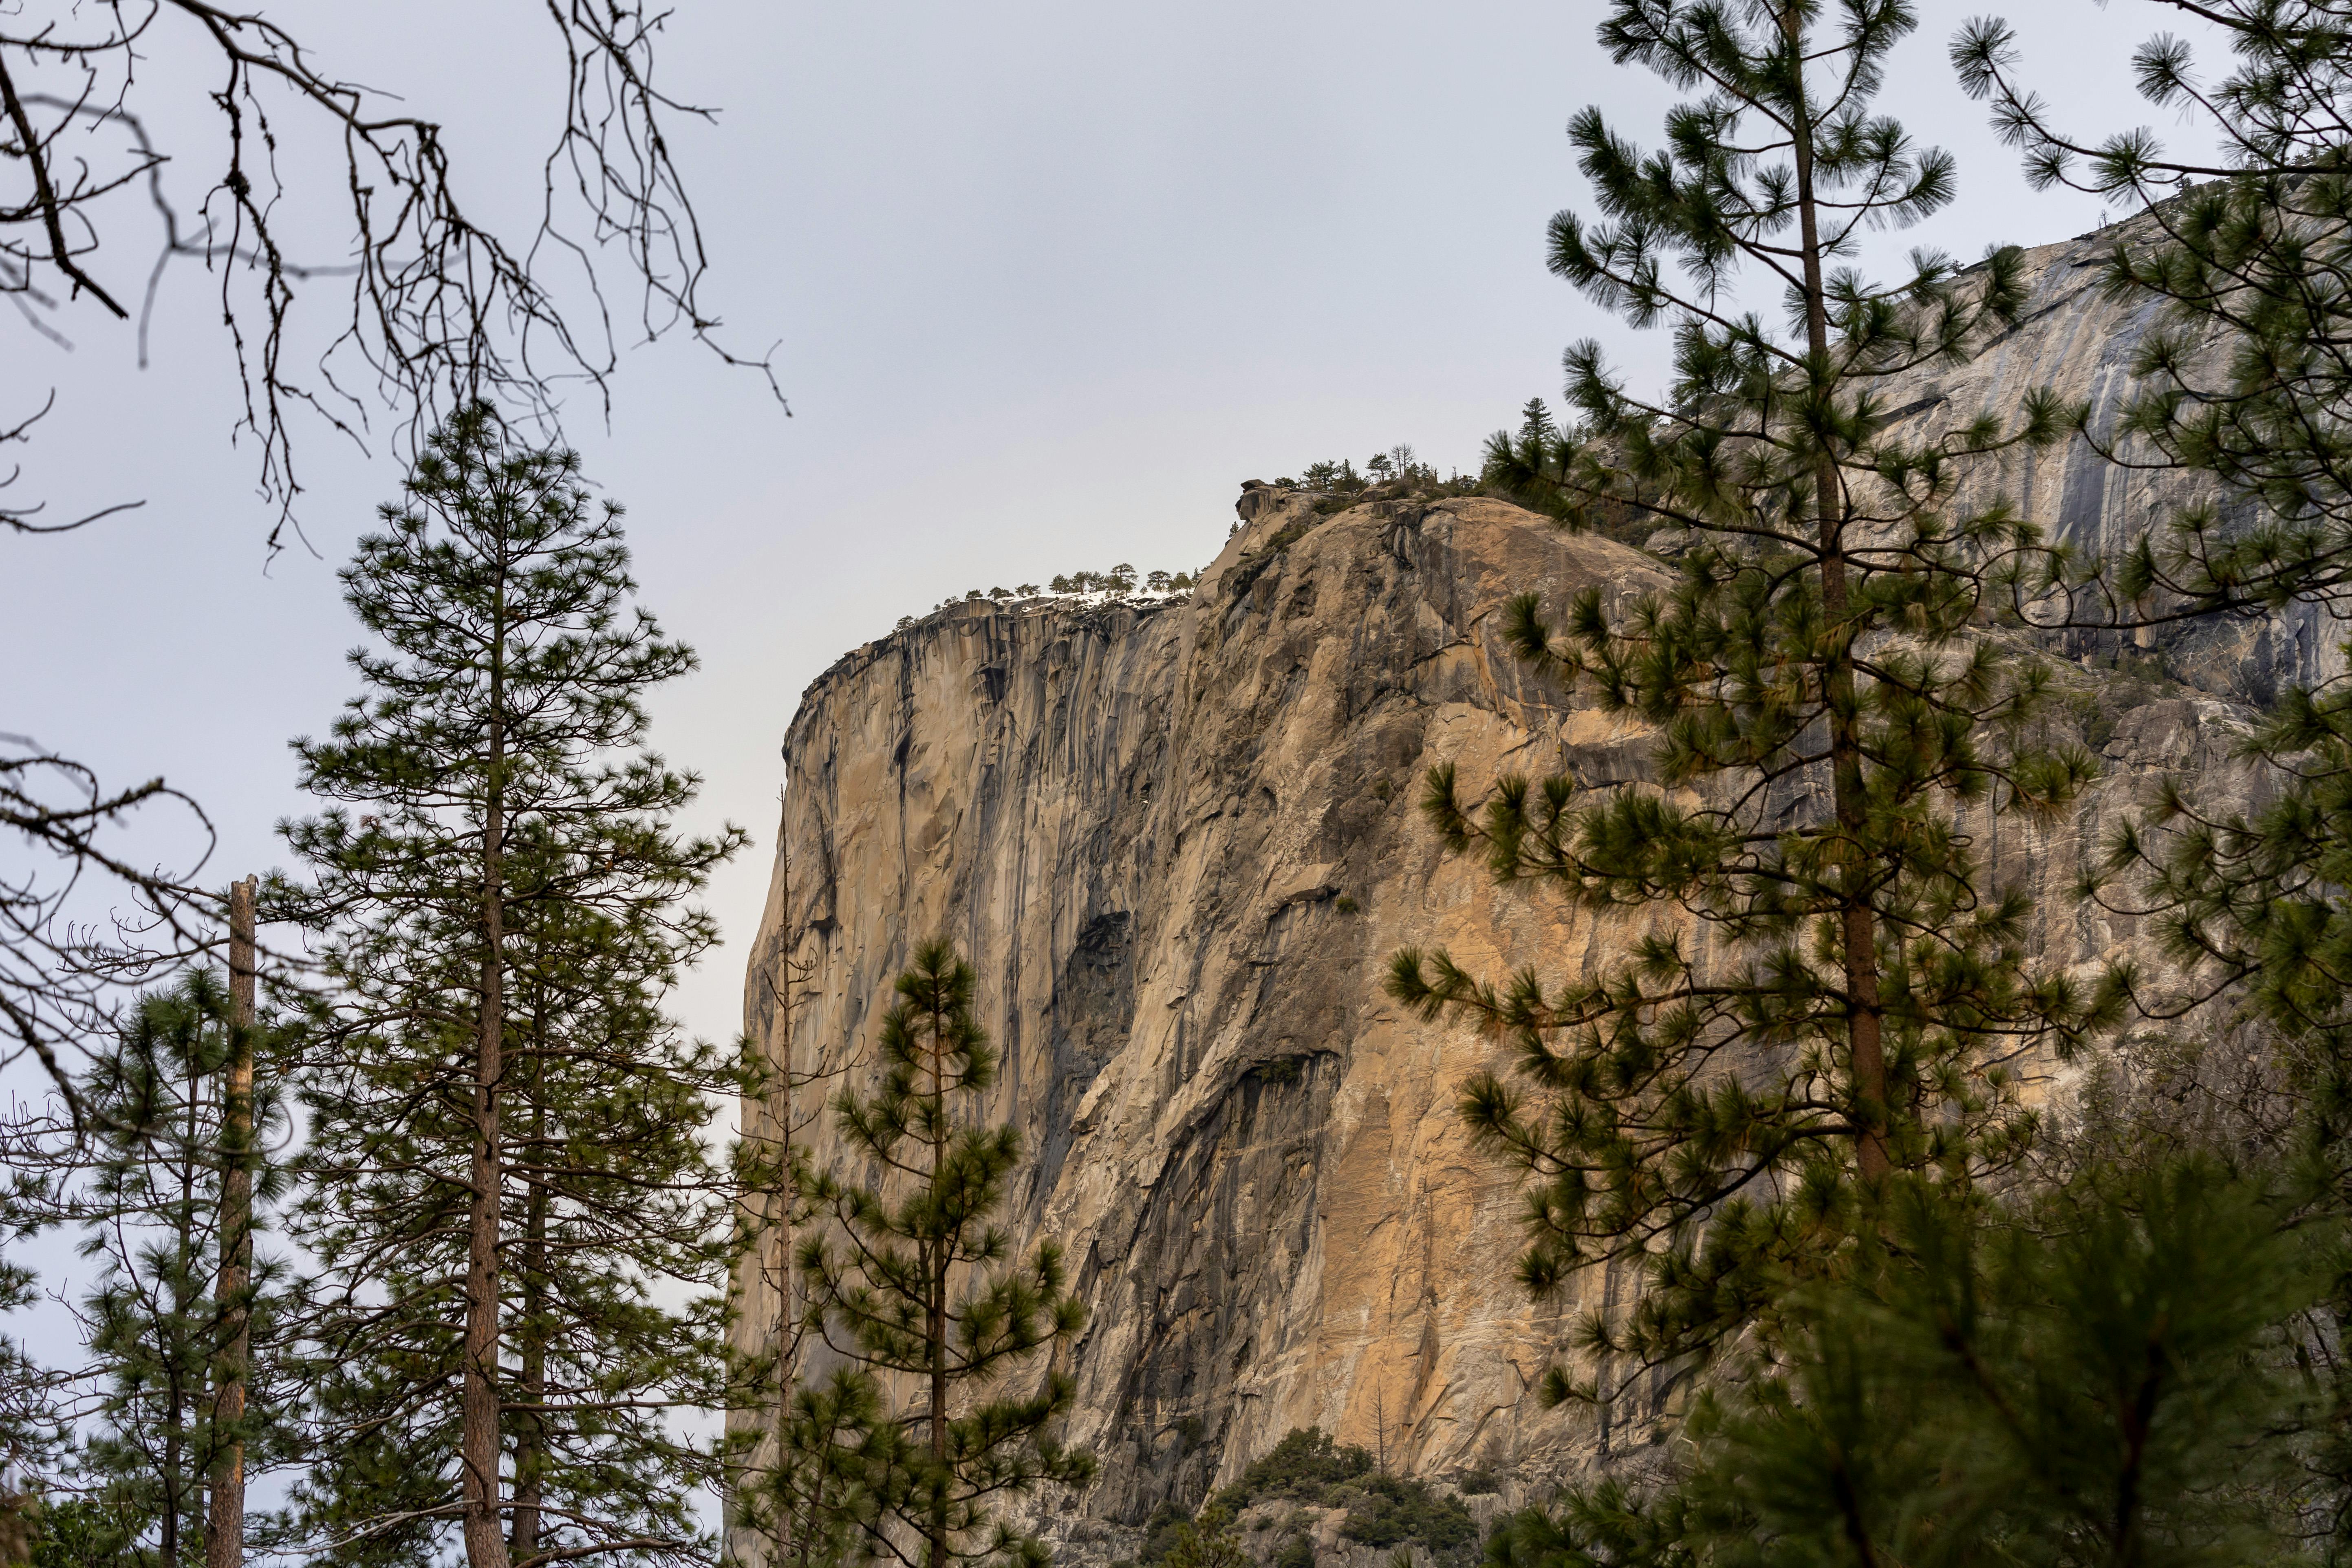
[(1178, 841)]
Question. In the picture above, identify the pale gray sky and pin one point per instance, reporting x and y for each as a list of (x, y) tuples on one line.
[(1049, 279)]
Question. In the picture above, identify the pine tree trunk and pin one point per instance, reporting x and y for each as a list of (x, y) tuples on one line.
[(938, 1328), (167, 1545), (224, 1518), (801, 1528), (175, 1330), (478, 1444), (531, 1440), (1859, 923), (530, 1430), (936, 1323)]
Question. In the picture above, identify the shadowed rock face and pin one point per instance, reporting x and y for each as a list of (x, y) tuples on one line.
[(2078, 340), (1178, 844)]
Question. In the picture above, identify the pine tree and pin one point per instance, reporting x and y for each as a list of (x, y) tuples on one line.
[(36, 1423), (83, 1532), (2247, 378), (2090, 1379), (612, 1186), (819, 1496), (150, 1205), (2245, 384), (1827, 988), (504, 1160), (918, 1284), (801, 1451)]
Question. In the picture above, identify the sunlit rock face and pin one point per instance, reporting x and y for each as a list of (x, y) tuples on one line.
[(1178, 842)]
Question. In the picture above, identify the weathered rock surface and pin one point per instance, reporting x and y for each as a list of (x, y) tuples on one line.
[(2079, 340), (1179, 843)]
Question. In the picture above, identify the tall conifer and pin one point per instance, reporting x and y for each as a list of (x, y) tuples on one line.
[(149, 1204), (504, 1156), (2246, 378), (2243, 388), (801, 1449), (1828, 987), (919, 1288)]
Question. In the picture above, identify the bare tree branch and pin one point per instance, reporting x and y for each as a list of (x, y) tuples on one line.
[(443, 305)]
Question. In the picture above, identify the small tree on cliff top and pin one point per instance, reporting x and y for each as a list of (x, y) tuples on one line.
[(918, 1281), (1818, 678)]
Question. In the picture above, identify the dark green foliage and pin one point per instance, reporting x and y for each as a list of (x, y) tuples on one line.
[(148, 1207), (917, 1279), (1302, 1468), (1161, 1530), (819, 1500), (84, 1532), (1207, 1542), (1514, 457), (1118, 583), (1606, 1525), (1297, 1552), (1720, 1105), (36, 1424), (2253, 899), (1307, 1468), (1395, 1511), (2246, 383), (2251, 904), (506, 1186), (2094, 1380)]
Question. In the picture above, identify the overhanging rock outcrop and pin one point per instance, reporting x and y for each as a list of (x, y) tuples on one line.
[(1179, 841)]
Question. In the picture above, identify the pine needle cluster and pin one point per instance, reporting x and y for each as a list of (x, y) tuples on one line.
[(2092, 1379), (2246, 382)]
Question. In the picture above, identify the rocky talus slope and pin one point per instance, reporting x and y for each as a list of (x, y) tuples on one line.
[(1179, 841)]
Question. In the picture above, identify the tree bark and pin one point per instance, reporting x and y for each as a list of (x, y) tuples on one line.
[(478, 1444), (936, 1323), (225, 1516), (167, 1540), (531, 1439), (530, 1429), (1859, 924)]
